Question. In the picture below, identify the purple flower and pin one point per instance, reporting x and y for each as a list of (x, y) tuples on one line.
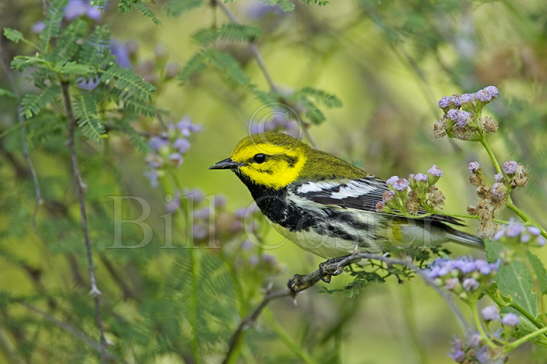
[(182, 145), (156, 143), (121, 54), (152, 176), (259, 10), (487, 94), (94, 13), (247, 245), (445, 102), (219, 201), (196, 195), (492, 91), (75, 8), (470, 284), (401, 184), (457, 354), (246, 211), (534, 230), (460, 117), (490, 313), (176, 158), (203, 213), (466, 98), (391, 180), (268, 259), (510, 167), (186, 127), (514, 229), (510, 319), (38, 27), (199, 231), (419, 177), (435, 171), (540, 241), (498, 177), (474, 166), (88, 84), (173, 204)]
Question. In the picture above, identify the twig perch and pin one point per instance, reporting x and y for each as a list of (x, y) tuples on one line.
[(325, 272)]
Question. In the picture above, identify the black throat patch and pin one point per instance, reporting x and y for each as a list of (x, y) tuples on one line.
[(274, 204)]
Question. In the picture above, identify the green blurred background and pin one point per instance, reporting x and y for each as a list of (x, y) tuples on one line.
[(387, 61)]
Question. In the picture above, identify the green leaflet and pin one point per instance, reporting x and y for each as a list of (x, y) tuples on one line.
[(539, 271), (52, 23), (128, 83), (222, 61), (85, 110), (178, 7), (514, 279), (230, 32), (13, 35), (6, 93), (285, 5), (32, 104)]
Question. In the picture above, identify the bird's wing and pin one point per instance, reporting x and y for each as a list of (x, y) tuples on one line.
[(361, 194)]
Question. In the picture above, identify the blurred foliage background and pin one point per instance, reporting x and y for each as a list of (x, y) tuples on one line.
[(388, 62)]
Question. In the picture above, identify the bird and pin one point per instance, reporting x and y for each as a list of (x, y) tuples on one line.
[(328, 206)]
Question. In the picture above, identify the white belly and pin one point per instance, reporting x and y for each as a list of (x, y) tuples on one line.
[(322, 245)]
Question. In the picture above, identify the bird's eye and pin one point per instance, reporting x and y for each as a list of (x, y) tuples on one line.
[(259, 158)]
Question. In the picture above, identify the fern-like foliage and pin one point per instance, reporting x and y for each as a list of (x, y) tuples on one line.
[(52, 23), (85, 110), (309, 98), (230, 32), (32, 104), (178, 7), (139, 5)]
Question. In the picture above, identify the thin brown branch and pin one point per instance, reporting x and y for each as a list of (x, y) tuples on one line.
[(326, 271), (80, 190)]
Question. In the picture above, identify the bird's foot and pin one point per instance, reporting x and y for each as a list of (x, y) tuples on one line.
[(330, 268)]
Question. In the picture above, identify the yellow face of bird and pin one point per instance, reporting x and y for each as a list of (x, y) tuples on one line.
[(271, 160)]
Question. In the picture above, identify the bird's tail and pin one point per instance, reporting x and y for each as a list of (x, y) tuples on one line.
[(465, 239)]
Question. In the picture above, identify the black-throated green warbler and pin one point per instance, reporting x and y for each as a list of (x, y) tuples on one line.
[(326, 205)]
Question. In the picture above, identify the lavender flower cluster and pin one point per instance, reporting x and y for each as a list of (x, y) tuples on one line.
[(77, 8), (169, 147), (464, 276), (494, 196), (472, 350), (414, 194), (517, 233), (461, 117), (279, 122), (491, 314), (216, 227)]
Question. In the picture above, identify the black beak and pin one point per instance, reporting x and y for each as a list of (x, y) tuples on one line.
[(225, 164)]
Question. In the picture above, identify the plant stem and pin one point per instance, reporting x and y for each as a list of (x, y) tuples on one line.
[(515, 344), (80, 190), (478, 323), (509, 204), (491, 154)]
